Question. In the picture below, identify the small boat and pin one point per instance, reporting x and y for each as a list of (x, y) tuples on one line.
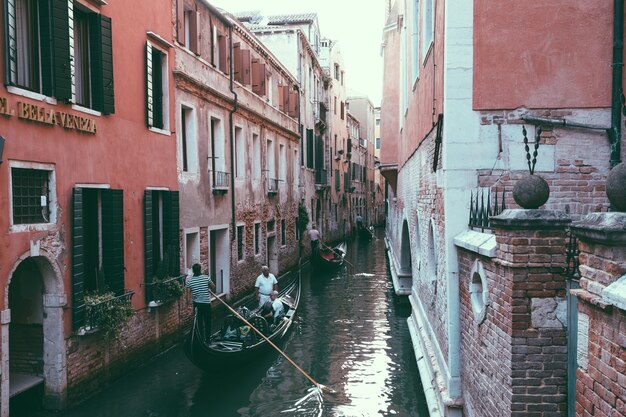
[(236, 342), (365, 233), (331, 258)]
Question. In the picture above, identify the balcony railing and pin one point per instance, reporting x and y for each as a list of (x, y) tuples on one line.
[(165, 290), (272, 186), (106, 313), (220, 180)]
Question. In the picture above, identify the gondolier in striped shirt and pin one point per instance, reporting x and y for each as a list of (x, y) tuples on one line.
[(199, 285)]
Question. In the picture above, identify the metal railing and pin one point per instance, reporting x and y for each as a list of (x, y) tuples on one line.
[(162, 291), (482, 208), (96, 314), (221, 180)]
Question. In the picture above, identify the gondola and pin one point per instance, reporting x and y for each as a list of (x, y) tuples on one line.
[(331, 258), (235, 342), (365, 233)]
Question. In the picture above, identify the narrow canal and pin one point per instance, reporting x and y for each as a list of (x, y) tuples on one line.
[(351, 336)]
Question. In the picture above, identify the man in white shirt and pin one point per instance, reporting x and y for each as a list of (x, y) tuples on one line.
[(314, 234), (264, 285), (277, 310)]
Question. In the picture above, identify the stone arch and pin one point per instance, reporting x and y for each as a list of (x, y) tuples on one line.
[(405, 249), (52, 302)]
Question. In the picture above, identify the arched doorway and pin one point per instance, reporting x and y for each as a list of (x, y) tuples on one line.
[(37, 354), (405, 250)]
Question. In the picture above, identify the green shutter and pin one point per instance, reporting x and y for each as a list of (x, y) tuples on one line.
[(61, 48), (101, 63), (309, 148), (148, 217), (149, 86), (171, 230), (319, 152), (113, 239), (78, 259), (10, 46)]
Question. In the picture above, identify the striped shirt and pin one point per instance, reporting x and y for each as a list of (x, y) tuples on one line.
[(199, 285)]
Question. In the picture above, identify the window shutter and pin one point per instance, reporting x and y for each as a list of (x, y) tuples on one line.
[(10, 47), (171, 230), (223, 54), (245, 65), (113, 239), (283, 99), (237, 64), (78, 260), (149, 86), (258, 78), (61, 30), (293, 103), (213, 43), (309, 148), (262, 81), (255, 75), (194, 34), (319, 152), (180, 21), (148, 217), (101, 63)]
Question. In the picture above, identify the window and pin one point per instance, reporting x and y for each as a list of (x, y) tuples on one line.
[(257, 238), (30, 190), (283, 232), (342, 77), (217, 159), (282, 163), (74, 65), (97, 245), (259, 83), (271, 160), (377, 143), (296, 168), (240, 151), (415, 45), (188, 139), (270, 90), (161, 235), (256, 157), (220, 58), (191, 24), (377, 122), (337, 72), (192, 248), (428, 25), (157, 88), (342, 110), (240, 246), (335, 105), (309, 148)]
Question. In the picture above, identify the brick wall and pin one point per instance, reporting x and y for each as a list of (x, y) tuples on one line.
[(515, 361), (26, 348)]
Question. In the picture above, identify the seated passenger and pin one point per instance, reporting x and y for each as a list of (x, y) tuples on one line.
[(277, 310)]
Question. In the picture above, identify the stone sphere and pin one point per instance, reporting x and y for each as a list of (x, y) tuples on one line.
[(531, 192), (616, 187)]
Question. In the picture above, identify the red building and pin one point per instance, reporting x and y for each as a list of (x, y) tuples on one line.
[(88, 184)]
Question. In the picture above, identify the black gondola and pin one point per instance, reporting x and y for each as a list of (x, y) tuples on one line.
[(331, 258), (236, 342), (365, 233)]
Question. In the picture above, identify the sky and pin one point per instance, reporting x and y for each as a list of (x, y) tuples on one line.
[(356, 24)]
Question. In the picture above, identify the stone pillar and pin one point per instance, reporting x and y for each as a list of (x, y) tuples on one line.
[(531, 312), (601, 373)]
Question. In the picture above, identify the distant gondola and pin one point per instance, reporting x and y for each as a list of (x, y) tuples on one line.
[(236, 342), (365, 233), (331, 258)]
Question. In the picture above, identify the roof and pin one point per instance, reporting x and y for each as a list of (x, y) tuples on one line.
[(252, 16), (291, 18)]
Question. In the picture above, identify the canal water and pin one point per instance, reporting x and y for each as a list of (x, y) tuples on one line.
[(351, 336)]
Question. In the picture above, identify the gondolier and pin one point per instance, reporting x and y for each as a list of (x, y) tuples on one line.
[(199, 285), (264, 285)]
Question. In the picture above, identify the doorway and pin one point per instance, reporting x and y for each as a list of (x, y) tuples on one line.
[(272, 255), (219, 260)]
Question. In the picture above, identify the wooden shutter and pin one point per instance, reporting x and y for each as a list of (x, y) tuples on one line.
[(78, 259), (237, 64), (101, 63), (283, 98), (294, 103), (149, 86), (148, 217), (245, 66), (10, 43), (309, 148), (223, 50), (180, 21), (258, 78), (45, 40), (194, 32), (61, 29), (113, 239), (171, 230), (319, 152)]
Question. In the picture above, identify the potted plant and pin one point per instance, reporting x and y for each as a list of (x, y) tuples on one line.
[(165, 287), (106, 312)]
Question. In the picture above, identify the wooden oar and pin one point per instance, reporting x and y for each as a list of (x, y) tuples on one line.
[(232, 310)]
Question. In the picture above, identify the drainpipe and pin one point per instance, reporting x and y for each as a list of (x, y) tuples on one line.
[(615, 133), (232, 129)]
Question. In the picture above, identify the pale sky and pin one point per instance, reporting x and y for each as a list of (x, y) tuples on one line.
[(356, 24)]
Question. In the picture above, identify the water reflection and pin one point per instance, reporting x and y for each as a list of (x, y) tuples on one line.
[(351, 335)]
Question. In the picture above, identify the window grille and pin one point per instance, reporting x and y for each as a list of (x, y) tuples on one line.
[(30, 196)]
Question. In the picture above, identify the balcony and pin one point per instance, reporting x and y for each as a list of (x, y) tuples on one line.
[(162, 291), (321, 180), (272, 186), (107, 312), (220, 181)]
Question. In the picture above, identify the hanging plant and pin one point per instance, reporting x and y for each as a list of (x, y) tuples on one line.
[(106, 312), (303, 217), (164, 286)]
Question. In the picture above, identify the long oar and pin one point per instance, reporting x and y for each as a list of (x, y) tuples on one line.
[(338, 253), (232, 310)]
